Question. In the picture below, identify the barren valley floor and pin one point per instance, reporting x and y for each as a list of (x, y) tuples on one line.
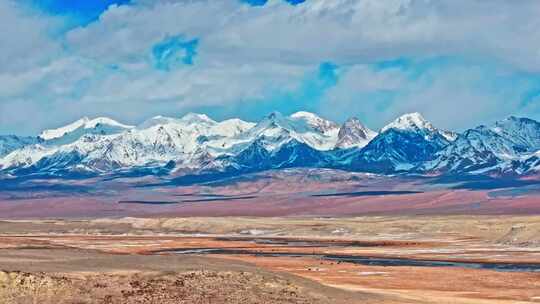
[(377, 259)]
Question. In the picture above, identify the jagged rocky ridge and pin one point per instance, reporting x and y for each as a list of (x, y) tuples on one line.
[(196, 145)]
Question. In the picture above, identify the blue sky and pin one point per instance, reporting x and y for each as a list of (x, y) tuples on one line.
[(461, 63), (81, 11), (264, 2)]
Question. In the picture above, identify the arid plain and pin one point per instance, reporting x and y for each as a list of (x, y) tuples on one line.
[(277, 237), (413, 259)]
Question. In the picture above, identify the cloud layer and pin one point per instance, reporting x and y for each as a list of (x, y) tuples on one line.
[(459, 62)]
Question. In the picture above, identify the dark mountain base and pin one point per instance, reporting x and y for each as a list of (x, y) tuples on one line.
[(293, 192)]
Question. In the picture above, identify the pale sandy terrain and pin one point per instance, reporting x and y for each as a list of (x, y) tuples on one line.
[(132, 260), (74, 276)]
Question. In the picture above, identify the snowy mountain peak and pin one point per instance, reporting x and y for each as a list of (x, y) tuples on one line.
[(514, 122), (274, 116), (197, 143), (507, 145), (197, 118), (354, 134), (515, 118), (449, 135), (354, 122), (157, 121), (524, 133), (104, 125), (232, 127), (105, 121), (410, 121), (300, 122), (59, 132), (306, 115), (186, 120), (274, 120), (316, 122), (275, 130)]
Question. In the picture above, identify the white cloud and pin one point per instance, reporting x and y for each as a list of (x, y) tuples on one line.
[(351, 31), (25, 38), (247, 53), (454, 95)]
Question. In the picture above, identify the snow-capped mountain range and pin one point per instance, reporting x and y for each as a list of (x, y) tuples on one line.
[(196, 144)]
